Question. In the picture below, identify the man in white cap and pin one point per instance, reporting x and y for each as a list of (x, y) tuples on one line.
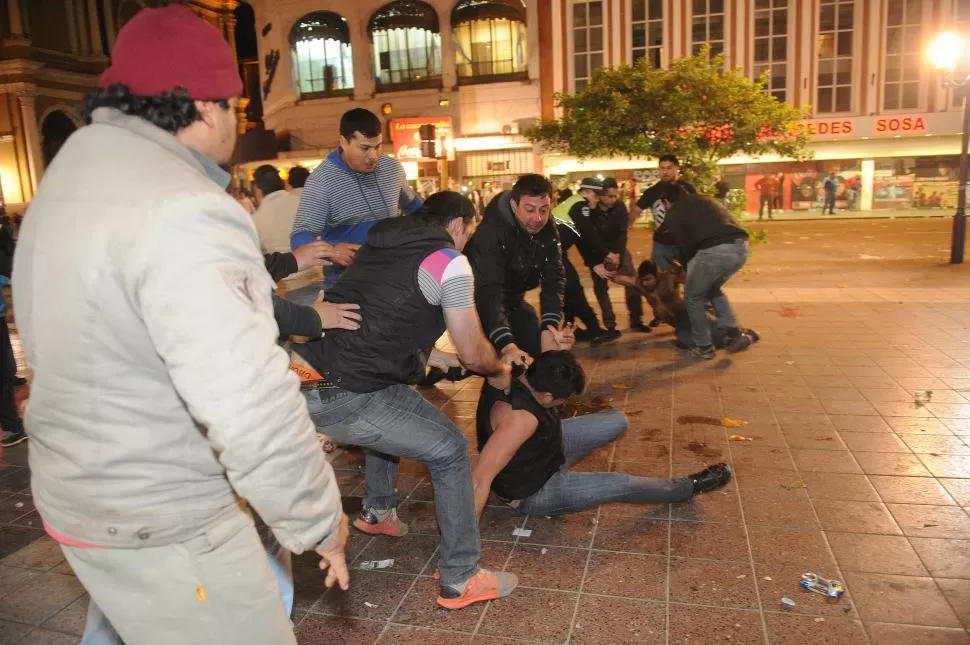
[(160, 396)]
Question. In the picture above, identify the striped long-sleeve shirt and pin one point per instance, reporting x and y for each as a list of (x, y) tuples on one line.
[(339, 204)]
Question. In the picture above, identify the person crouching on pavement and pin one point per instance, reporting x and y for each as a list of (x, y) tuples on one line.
[(526, 448), (412, 283)]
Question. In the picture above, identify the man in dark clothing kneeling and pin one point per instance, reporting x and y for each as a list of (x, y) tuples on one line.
[(412, 283), (526, 448)]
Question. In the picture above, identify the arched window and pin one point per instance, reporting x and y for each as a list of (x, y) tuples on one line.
[(490, 38), (322, 58), (407, 43)]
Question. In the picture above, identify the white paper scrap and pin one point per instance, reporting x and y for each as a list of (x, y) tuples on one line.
[(522, 532), (370, 565)]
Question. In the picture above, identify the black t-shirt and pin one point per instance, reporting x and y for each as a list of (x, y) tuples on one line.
[(651, 199), (539, 457), (696, 222)]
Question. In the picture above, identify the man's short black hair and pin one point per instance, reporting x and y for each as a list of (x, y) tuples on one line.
[(359, 120), (558, 373), (267, 179), (647, 267), (531, 185), (610, 182), (443, 207), (670, 191), (671, 158), (171, 111), (297, 176)]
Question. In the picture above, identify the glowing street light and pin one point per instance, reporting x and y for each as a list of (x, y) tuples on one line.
[(945, 54)]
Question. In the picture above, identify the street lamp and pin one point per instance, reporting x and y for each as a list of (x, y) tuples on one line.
[(945, 52)]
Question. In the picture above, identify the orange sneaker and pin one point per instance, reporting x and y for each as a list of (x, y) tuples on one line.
[(484, 585), (391, 525)]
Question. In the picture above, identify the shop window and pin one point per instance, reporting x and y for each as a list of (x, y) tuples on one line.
[(588, 41), (490, 39), (648, 31), (771, 45), (707, 26), (406, 44), (322, 56), (835, 51), (904, 55)]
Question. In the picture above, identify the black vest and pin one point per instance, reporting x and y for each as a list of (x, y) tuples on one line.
[(399, 327), (539, 457)]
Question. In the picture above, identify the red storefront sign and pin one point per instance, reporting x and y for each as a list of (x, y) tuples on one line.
[(406, 140)]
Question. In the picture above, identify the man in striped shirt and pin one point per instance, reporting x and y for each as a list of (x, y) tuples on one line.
[(353, 189)]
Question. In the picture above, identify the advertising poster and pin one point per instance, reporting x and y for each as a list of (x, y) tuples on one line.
[(806, 187), (406, 138), (891, 191)]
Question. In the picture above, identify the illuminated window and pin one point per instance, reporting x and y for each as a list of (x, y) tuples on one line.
[(321, 53), (835, 51), (648, 31), (707, 26), (407, 43), (771, 45), (588, 41), (961, 23), (490, 38), (904, 59)]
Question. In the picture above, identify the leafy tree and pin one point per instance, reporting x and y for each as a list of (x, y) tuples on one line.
[(695, 110)]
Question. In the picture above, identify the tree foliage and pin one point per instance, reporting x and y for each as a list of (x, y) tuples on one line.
[(695, 110)]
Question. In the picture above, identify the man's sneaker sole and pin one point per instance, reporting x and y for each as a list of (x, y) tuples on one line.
[(390, 529), (482, 587)]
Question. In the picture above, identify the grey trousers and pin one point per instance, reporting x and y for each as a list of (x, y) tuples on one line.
[(214, 589)]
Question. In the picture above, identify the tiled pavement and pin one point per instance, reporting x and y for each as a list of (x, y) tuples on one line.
[(845, 476)]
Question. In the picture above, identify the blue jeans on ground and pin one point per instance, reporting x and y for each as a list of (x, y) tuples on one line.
[(664, 254), (706, 274), (98, 630), (397, 422), (571, 492)]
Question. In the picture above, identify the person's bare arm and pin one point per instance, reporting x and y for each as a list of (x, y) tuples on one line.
[(475, 352), (635, 211), (510, 429)]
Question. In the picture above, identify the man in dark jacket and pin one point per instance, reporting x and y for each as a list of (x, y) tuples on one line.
[(610, 219), (715, 248), (515, 250), (576, 228), (412, 283)]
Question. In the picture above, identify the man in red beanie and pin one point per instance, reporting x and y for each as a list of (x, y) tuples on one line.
[(160, 395)]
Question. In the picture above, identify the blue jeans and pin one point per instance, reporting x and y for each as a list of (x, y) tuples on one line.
[(98, 630), (397, 422), (571, 492), (664, 254), (706, 274)]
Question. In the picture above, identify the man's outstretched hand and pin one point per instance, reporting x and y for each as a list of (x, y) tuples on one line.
[(334, 560), (554, 338), (337, 316), (512, 354), (343, 253), (313, 254)]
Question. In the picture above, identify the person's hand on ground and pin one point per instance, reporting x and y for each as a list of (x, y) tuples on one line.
[(312, 254), (503, 380), (334, 560), (512, 354), (343, 253), (337, 316), (601, 271)]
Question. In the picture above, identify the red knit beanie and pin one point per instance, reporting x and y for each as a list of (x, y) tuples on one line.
[(161, 49)]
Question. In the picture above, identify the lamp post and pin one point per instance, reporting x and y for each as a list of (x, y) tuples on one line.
[(945, 53)]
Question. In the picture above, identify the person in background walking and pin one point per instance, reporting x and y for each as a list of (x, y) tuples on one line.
[(779, 202), (830, 185), (768, 187)]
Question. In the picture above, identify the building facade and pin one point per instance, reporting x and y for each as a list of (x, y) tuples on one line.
[(51, 54), (483, 70)]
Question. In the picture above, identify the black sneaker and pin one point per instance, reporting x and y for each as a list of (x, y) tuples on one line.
[(12, 438), (582, 335), (640, 327), (656, 322), (711, 478), (604, 336), (744, 340), (703, 353)]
